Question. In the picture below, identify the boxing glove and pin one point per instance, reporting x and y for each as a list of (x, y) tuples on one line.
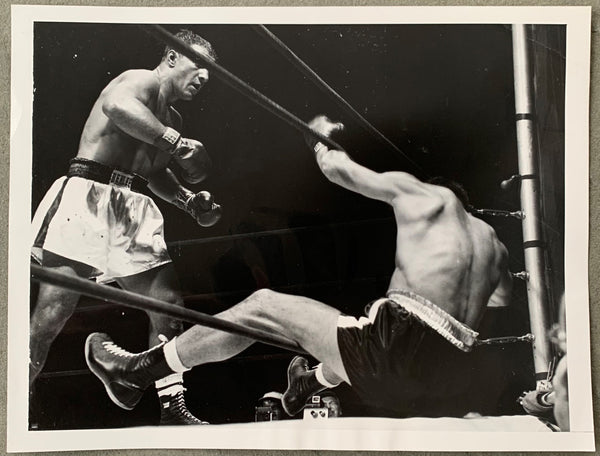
[(189, 154), (200, 206)]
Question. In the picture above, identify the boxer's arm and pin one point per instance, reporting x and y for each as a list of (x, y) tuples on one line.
[(503, 292), (126, 105), (164, 184), (340, 169), (200, 206)]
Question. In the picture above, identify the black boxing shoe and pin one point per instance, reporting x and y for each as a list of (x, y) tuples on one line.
[(302, 384), (125, 375), (173, 411)]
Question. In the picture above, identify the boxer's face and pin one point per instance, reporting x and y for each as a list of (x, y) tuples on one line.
[(188, 77)]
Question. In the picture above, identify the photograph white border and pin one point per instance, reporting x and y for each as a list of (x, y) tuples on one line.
[(581, 436)]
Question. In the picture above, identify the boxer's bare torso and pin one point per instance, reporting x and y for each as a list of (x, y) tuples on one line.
[(133, 110), (103, 141), (446, 255), (442, 253)]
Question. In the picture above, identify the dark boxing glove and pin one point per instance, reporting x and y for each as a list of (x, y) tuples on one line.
[(199, 205), (189, 154)]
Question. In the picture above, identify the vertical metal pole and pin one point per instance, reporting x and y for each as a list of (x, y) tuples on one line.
[(533, 243)]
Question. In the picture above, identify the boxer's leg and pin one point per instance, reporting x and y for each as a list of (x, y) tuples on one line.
[(309, 323), (162, 283), (159, 283), (54, 307), (305, 321)]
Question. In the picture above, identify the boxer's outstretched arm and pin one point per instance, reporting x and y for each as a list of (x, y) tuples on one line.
[(340, 169)]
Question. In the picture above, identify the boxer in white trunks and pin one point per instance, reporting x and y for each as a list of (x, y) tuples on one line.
[(95, 223)]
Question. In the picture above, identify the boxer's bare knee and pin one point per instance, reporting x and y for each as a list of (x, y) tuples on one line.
[(262, 296), (289, 315), (259, 306)]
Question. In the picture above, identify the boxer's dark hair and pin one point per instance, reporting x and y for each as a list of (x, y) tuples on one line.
[(189, 37), (458, 190)]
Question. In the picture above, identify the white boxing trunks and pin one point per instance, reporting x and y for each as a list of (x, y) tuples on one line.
[(112, 228)]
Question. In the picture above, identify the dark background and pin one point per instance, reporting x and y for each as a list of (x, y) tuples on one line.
[(443, 94)]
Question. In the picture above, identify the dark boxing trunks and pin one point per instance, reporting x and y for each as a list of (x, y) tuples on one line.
[(406, 357)]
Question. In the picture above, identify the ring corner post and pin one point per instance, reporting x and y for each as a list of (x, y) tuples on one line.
[(534, 246)]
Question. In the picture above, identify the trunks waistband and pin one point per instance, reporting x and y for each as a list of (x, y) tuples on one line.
[(457, 333), (98, 172)]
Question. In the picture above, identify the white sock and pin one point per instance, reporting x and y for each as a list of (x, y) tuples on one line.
[(172, 357), (169, 380), (321, 378), (170, 390)]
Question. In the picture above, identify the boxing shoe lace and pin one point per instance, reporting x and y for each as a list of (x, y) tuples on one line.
[(114, 349), (142, 366), (174, 411)]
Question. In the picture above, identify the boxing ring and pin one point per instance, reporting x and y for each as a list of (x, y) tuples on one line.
[(530, 216)]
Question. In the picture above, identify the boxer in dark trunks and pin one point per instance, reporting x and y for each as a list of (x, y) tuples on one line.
[(449, 267), (95, 223)]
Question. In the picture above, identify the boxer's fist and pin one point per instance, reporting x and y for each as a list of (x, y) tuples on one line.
[(189, 154), (200, 206), (193, 159), (203, 208), (323, 125)]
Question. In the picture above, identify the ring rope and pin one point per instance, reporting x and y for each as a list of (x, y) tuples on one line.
[(276, 232), (237, 360), (137, 301), (236, 83), (141, 302), (326, 88)]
